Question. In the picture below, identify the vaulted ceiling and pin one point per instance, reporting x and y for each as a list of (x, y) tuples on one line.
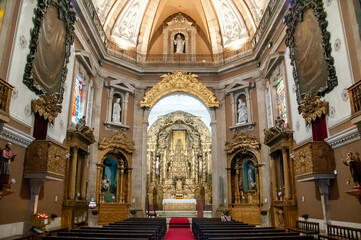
[(223, 23)]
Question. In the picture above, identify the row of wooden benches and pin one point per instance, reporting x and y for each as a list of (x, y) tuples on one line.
[(133, 228), (333, 231), (214, 229)]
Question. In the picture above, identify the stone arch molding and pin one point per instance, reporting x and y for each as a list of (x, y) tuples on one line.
[(179, 81)]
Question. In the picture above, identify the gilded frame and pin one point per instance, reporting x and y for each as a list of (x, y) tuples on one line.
[(297, 9), (64, 8)]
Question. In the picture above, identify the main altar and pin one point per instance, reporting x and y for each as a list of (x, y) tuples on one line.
[(179, 163)]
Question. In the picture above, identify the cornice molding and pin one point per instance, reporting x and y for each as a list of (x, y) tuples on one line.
[(345, 137), (15, 136)]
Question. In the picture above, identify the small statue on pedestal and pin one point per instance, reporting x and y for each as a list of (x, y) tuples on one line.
[(280, 124), (351, 162), (6, 158)]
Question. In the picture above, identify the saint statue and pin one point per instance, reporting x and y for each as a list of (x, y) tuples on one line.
[(179, 187), (251, 181), (6, 158), (280, 124), (105, 184), (157, 166), (242, 112), (179, 44), (116, 110), (351, 162)]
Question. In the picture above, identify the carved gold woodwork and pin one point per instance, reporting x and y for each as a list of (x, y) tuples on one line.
[(81, 137), (178, 159), (313, 158), (5, 98), (312, 107), (241, 141), (74, 214), (110, 212), (45, 157), (47, 106), (179, 81), (118, 141), (248, 213)]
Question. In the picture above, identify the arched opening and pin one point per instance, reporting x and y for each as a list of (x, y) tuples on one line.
[(179, 153)]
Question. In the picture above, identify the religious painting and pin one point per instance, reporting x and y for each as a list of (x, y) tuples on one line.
[(2, 11), (310, 48), (51, 40)]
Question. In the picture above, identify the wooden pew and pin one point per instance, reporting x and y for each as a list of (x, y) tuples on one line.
[(264, 238), (338, 232), (100, 235), (87, 238)]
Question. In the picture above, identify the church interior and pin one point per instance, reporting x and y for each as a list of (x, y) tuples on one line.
[(152, 111)]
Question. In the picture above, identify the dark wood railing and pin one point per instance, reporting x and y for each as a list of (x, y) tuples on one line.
[(5, 96), (355, 100)]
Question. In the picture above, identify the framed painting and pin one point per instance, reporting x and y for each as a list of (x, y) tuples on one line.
[(310, 49), (50, 44)]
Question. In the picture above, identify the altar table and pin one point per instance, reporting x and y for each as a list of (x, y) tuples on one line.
[(179, 204)]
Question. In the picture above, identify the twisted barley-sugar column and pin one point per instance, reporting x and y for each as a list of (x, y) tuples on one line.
[(120, 184), (286, 173), (84, 176), (72, 173)]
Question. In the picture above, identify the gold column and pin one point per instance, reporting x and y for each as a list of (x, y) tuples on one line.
[(72, 173), (79, 171), (236, 184), (229, 185), (286, 173), (99, 183), (121, 184), (129, 171), (84, 176), (273, 176)]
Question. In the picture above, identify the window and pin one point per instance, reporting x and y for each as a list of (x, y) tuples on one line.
[(77, 110), (281, 100)]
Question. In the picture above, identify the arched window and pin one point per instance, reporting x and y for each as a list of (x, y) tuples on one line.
[(281, 101), (78, 100)]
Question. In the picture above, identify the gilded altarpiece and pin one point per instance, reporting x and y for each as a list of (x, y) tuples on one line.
[(179, 159), (244, 178), (284, 205), (114, 174)]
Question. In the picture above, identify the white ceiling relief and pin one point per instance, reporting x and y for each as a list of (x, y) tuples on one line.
[(126, 29), (103, 7), (233, 28)]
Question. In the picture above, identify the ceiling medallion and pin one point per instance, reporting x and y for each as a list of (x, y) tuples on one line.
[(179, 81)]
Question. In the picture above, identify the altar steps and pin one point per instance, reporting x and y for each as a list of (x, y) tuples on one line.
[(179, 223)]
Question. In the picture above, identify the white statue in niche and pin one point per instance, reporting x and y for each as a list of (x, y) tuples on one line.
[(116, 111), (242, 112), (179, 44)]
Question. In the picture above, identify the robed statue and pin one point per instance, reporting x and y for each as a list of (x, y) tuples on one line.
[(116, 111), (351, 162), (179, 44)]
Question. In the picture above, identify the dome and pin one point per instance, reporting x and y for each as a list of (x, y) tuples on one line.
[(219, 24)]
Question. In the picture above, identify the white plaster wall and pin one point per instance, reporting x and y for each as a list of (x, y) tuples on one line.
[(21, 103), (343, 70), (20, 108), (342, 65)]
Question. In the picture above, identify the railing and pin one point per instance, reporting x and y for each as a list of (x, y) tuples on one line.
[(355, 100), (5, 97), (176, 58), (220, 59)]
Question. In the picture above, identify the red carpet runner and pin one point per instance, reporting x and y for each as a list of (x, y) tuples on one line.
[(179, 228)]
